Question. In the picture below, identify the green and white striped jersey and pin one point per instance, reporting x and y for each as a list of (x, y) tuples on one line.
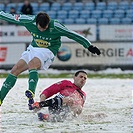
[(51, 37)]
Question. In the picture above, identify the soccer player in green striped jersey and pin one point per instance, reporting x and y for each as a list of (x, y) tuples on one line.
[(40, 53)]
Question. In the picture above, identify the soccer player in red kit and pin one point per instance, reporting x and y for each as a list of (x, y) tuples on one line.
[(70, 98)]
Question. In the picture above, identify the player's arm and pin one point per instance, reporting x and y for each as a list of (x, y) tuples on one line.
[(17, 18), (48, 92), (53, 89), (76, 37)]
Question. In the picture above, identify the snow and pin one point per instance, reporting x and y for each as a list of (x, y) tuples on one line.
[(55, 71), (107, 109)]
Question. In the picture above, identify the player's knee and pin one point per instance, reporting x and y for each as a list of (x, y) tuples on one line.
[(56, 102), (34, 64)]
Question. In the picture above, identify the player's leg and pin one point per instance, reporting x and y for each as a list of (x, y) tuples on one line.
[(54, 106), (11, 78), (33, 65), (42, 59)]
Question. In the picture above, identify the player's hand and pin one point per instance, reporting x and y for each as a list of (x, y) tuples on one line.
[(68, 101), (76, 110), (94, 50)]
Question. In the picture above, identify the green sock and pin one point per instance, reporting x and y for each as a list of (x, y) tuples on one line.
[(33, 79), (7, 85)]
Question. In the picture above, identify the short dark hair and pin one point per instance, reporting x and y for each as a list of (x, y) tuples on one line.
[(42, 19), (80, 71)]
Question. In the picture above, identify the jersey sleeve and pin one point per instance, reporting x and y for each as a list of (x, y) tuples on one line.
[(17, 18), (55, 88), (64, 31)]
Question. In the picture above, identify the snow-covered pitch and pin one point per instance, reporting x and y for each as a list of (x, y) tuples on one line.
[(107, 109)]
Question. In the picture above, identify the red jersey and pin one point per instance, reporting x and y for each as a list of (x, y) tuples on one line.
[(66, 88)]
